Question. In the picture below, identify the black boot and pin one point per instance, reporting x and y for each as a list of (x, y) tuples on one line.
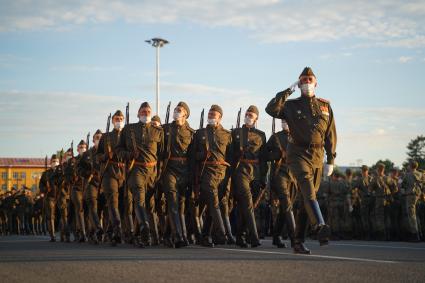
[(230, 239), (207, 242), (300, 248), (315, 215), (184, 230), (252, 228), (219, 225)]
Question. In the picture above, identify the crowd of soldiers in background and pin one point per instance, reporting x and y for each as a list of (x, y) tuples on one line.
[(357, 205)]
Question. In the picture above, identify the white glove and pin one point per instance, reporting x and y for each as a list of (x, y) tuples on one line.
[(328, 169), (350, 208), (294, 85)]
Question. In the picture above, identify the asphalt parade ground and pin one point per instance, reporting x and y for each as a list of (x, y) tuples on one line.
[(34, 259)]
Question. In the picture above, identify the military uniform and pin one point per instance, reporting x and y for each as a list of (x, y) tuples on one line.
[(411, 189), (381, 192), (250, 170), (141, 144), (89, 168), (48, 188), (312, 129), (337, 195), (77, 196), (282, 185), (213, 154), (365, 200), (177, 174), (395, 208)]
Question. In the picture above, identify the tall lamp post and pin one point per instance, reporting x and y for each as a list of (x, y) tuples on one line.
[(157, 43)]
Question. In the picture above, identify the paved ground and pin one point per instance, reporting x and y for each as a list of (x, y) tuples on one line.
[(34, 259)]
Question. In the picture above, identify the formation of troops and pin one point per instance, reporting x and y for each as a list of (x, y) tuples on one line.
[(148, 183)]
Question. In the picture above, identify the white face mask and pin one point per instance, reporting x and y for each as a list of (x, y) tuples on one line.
[(145, 119), (249, 121), (285, 126), (96, 143), (81, 150), (54, 164), (177, 115), (307, 89), (212, 122), (119, 125)]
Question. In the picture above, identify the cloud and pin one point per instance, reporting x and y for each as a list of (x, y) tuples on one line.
[(405, 59), (271, 21)]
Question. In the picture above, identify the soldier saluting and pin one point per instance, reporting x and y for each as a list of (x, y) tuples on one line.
[(312, 128)]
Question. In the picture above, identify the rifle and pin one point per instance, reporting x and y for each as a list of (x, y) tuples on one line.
[(88, 140), (167, 114), (72, 148), (108, 125), (168, 134), (127, 114), (198, 172), (273, 125), (259, 197)]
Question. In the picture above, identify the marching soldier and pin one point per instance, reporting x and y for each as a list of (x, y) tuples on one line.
[(177, 173), (249, 174), (365, 200), (48, 188), (213, 152), (77, 192), (312, 127), (112, 175), (141, 144), (282, 185), (411, 189), (89, 168)]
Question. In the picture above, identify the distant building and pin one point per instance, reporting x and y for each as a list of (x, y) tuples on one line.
[(18, 172)]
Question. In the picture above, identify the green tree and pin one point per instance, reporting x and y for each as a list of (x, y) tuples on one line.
[(416, 151)]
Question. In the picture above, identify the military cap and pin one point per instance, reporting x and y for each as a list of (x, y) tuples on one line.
[(253, 109), (98, 131), (156, 119), (82, 142), (365, 168), (217, 108), (307, 72), (118, 113), (54, 156), (414, 164), (185, 106), (144, 105), (380, 166)]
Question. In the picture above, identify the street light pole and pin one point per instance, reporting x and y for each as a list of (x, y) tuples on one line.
[(157, 43)]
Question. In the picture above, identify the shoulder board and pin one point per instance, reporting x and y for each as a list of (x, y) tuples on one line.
[(323, 100), (259, 131), (190, 129), (226, 131)]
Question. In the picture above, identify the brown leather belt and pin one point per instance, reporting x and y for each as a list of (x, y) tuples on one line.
[(145, 164), (218, 162), (178, 159), (250, 161), (305, 145)]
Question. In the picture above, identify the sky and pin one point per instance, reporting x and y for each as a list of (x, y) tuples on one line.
[(65, 65)]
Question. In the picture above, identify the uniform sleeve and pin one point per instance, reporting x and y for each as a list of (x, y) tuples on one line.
[(273, 152), (121, 149), (160, 151), (330, 139), (275, 107), (264, 168), (42, 184)]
